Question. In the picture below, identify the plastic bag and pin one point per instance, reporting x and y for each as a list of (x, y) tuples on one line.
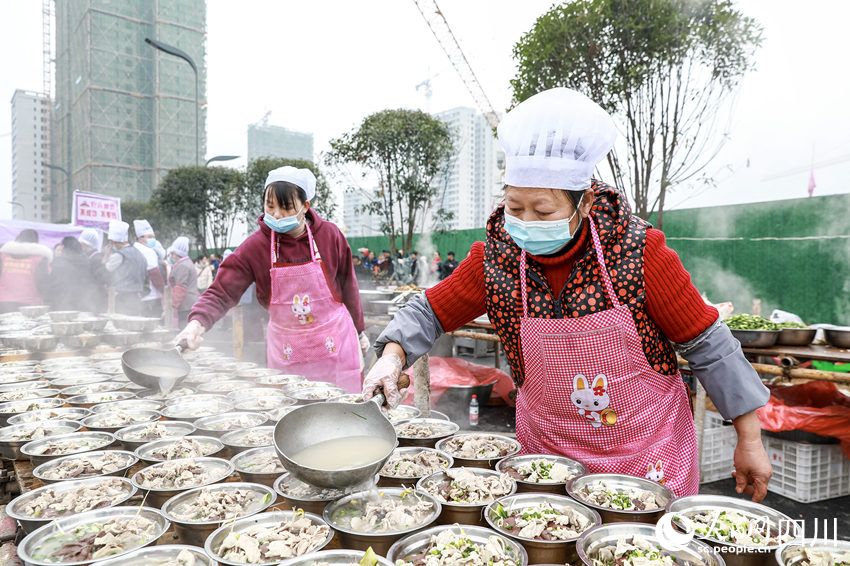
[(779, 317), (446, 372), (817, 407)]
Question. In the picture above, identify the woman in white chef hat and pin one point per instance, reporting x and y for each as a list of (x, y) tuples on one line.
[(591, 307)]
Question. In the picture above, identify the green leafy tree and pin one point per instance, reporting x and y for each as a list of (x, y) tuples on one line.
[(666, 68), (165, 226), (254, 181), (407, 150)]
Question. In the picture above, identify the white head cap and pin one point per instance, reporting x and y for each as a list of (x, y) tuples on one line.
[(226, 254), (180, 247), (554, 140), (118, 231), (142, 228), (303, 178), (92, 238)]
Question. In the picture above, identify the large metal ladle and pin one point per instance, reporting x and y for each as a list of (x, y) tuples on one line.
[(159, 370)]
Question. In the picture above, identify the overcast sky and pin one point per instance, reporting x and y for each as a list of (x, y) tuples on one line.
[(322, 66)]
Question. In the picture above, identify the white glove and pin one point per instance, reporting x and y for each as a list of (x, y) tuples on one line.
[(384, 374), (364, 343), (192, 334)]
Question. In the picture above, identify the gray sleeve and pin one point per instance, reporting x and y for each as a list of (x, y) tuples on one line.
[(415, 328), (114, 261), (716, 359)]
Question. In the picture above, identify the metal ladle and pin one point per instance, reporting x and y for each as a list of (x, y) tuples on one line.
[(159, 370)]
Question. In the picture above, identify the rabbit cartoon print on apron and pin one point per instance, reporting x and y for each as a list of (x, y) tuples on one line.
[(590, 394)]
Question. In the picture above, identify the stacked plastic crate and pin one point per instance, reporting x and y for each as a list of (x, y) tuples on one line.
[(807, 472), (718, 449)]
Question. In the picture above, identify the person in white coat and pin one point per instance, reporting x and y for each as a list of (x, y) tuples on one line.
[(146, 243)]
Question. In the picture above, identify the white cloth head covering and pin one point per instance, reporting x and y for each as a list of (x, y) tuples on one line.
[(142, 228), (226, 254), (180, 247), (92, 238), (554, 140), (303, 178), (118, 231)]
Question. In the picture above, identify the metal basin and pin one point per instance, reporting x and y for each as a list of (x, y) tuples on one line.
[(488, 462), (218, 425), (332, 557), (57, 414), (283, 379), (395, 480), (542, 551), (122, 338), (66, 445), (663, 495), (254, 373), (93, 324), (460, 513), (148, 452), (796, 336), (132, 437), (10, 449), (756, 338), (191, 411), (135, 324), (419, 542), (216, 469), (592, 541), (34, 311), (84, 341), (439, 428), (42, 342), (247, 438), (63, 316), (66, 328), (837, 337), (299, 495), (28, 549), (80, 379), (11, 409), (405, 412), (335, 514), (247, 463), (196, 532), (793, 553), (126, 405), (90, 399), (86, 388), (223, 387), (542, 486), (164, 553), (45, 472), (310, 395), (113, 421)]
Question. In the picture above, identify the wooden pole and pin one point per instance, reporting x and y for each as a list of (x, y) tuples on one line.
[(422, 386), (166, 304), (238, 332)]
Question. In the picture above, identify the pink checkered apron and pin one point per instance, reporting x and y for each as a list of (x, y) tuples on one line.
[(590, 394), (310, 331)]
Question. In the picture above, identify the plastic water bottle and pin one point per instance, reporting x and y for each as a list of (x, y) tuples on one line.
[(473, 411)]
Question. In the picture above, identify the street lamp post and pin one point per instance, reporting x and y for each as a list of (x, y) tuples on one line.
[(220, 158), (171, 50), (23, 208), (53, 193)]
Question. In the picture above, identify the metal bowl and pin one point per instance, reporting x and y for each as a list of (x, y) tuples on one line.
[(461, 513), (333, 557), (735, 554), (7, 378), (524, 486), (403, 413), (218, 425), (93, 324), (407, 481), (106, 357), (756, 338), (26, 390), (308, 395), (282, 379), (73, 443), (191, 411), (132, 437), (542, 551), (793, 553), (796, 336), (126, 405), (380, 542), (11, 409), (223, 387), (308, 384), (162, 554), (196, 532), (176, 395), (80, 379), (419, 542), (66, 328), (135, 323), (434, 415), (622, 481), (16, 508), (268, 519), (236, 441), (590, 542), (42, 342), (61, 528), (90, 399), (196, 398), (210, 445), (63, 316), (837, 337), (86, 388), (250, 472), (218, 470), (11, 449), (122, 338), (56, 414), (479, 462), (101, 422), (254, 373), (199, 376), (299, 495), (251, 392), (236, 367), (441, 429), (44, 472), (34, 311), (84, 341), (274, 415)]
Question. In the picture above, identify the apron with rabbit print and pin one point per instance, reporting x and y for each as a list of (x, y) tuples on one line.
[(590, 394), (310, 331)]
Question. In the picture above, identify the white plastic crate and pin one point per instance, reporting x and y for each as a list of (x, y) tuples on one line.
[(718, 449), (807, 472)]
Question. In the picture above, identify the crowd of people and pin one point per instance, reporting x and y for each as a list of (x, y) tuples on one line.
[(402, 268), (79, 272)]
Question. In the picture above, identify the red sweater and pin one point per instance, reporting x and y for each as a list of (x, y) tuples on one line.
[(671, 299), (250, 263)]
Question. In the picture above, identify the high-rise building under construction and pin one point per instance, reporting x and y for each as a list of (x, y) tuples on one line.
[(124, 112)]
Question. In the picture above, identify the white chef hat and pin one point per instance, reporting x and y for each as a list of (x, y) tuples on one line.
[(142, 228), (303, 178), (92, 238), (180, 246), (118, 231), (554, 140)]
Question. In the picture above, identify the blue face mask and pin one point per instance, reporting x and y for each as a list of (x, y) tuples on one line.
[(151, 243), (282, 225), (170, 259), (543, 237)]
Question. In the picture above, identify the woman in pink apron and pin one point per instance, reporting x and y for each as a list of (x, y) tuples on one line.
[(304, 275), (592, 309)]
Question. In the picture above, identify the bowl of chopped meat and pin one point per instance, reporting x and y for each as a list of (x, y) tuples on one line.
[(370, 519), (424, 432), (450, 545), (218, 425), (88, 400), (244, 439), (544, 473), (338, 558), (478, 450), (465, 492), (57, 414), (86, 465), (46, 449), (268, 538), (282, 379), (636, 544), (182, 447), (114, 420), (38, 507), (299, 495), (127, 404), (94, 535), (132, 437), (259, 465), (14, 437), (163, 555), (198, 512), (193, 409), (547, 525), (166, 479), (813, 552), (620, 497), (409, 464)]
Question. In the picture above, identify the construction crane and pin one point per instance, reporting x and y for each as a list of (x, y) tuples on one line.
[(426, 86), (447, 40)]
